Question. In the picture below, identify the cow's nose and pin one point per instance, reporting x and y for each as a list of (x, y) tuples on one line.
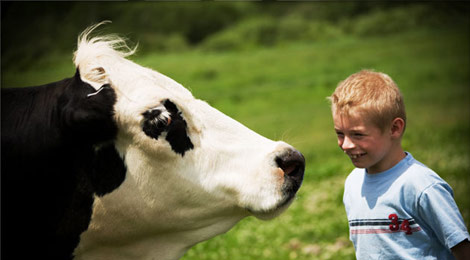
[(292, 162)]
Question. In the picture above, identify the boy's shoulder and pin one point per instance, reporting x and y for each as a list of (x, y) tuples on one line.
[(420, 175), (356, 175), (409, 172), (415, 179)]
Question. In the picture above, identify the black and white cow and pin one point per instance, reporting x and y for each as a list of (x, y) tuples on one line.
[(183, 171), (55, 157)]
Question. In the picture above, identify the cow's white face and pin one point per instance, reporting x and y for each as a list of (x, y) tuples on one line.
[(192, 172)]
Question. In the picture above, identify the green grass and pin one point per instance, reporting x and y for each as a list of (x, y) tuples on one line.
[(280, 93)]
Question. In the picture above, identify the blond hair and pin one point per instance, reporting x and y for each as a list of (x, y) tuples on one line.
[(372, 94)]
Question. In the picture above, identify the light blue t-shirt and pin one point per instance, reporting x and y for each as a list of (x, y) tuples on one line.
[(406, 212)]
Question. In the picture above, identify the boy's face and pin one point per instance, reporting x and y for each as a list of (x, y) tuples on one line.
[(367, 145)]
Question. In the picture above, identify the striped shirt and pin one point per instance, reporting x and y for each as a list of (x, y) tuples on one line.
[(406, 212)]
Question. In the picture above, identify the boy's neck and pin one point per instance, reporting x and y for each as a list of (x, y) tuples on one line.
[(391, 159)]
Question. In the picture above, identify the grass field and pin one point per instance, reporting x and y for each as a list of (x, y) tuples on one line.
[(280, 93)]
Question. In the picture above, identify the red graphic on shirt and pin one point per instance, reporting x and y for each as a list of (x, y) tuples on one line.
[(395, 226)]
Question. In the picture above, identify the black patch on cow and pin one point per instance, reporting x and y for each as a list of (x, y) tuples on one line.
[(88, 119), (109, 170), (50, 167), (152, 126), (176, 127)]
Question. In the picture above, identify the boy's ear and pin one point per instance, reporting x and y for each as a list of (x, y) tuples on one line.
[(397, 127)]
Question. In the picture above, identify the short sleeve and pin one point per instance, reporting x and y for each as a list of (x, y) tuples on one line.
[(438, 209)]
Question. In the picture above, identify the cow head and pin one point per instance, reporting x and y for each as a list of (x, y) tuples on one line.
[(192, 172)]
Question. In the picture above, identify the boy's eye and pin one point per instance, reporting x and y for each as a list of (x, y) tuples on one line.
[(358, 135)]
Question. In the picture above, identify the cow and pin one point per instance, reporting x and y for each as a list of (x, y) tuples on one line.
[(171, 172), (56, 145)]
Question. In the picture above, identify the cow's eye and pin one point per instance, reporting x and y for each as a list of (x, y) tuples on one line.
[(168, 118), (156, 120)]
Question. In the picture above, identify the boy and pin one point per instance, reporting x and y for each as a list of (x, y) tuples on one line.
[(397, 208)]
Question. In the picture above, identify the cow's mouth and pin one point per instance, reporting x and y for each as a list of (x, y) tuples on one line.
[(276, 211), (292, 163)]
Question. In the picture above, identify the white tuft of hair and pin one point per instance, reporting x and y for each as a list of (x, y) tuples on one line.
[(92, 50)]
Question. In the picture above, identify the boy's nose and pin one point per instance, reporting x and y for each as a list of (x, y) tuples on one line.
[(347, 144)]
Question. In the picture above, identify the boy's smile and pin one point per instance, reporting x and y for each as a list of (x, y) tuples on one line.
[(367, 145), (356, 156)]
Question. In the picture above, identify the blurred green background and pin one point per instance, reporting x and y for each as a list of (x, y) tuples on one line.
[(270, 65)]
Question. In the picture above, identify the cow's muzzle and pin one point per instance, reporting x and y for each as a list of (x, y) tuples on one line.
[(292, 162)]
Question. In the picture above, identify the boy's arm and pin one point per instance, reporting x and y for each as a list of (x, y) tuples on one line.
[(462, 250), (438, 209)]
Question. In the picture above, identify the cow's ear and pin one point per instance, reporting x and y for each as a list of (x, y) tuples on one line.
[(87, 114), (94, 75)]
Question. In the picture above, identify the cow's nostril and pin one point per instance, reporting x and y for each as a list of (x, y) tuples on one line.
[(292, 163)]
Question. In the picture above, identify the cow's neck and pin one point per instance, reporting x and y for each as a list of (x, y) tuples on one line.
[(164, 246), (127, 239), (149, 217)]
